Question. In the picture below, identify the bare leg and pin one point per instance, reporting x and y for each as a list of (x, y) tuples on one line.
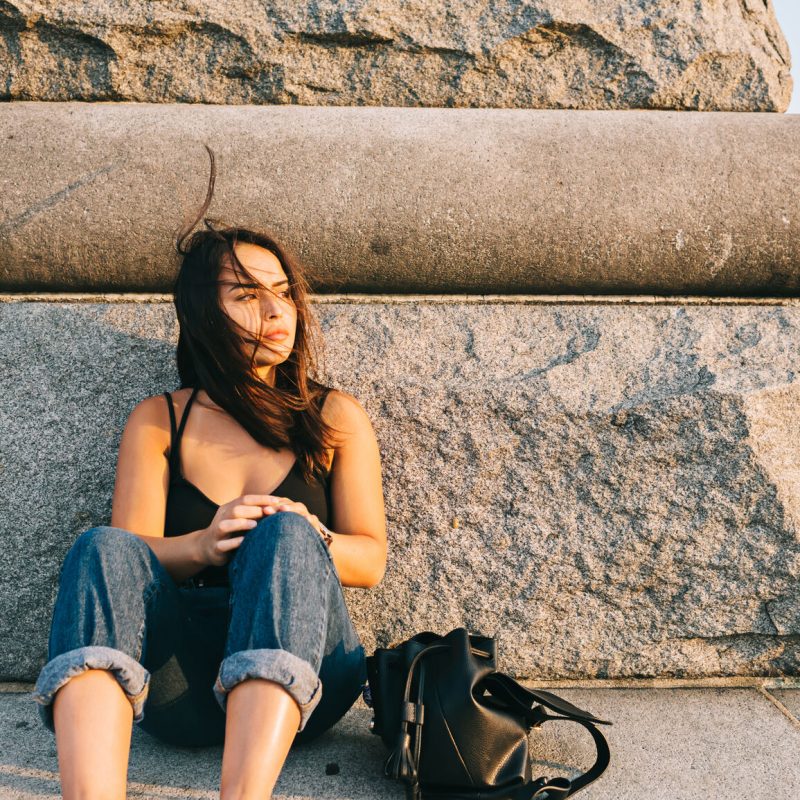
[(93, 720), (261, 721)]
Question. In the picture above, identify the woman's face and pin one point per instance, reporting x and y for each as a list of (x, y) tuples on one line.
[(255, 308)]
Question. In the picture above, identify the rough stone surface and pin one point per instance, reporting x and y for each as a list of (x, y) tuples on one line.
[(610, 489), (683, 54), (666, 744), (497, 201)]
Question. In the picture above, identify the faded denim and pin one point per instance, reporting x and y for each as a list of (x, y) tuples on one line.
[(177, 650)]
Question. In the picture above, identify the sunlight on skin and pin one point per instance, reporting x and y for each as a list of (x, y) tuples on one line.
[(253, 307), (261, 724), (93, 721)]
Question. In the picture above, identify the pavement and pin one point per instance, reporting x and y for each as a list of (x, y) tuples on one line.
[(713, 739)]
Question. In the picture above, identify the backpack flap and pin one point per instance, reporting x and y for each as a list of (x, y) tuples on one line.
[(388, 668), (387, 671)]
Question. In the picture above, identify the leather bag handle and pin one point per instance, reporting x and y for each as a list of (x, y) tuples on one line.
[(521, 699)]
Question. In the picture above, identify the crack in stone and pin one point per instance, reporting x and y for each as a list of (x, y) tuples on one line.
[(343, 38), (52, 200), (770, 617), (591, 338)]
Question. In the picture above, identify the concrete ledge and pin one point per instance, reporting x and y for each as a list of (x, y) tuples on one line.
[(423, 200), (675, 743), (611, 489), (427, 299)]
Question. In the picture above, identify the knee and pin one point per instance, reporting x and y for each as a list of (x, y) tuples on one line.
[(285, 524), (284, 532), (104, 539)]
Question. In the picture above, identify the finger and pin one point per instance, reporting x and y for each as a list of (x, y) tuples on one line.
[(223, 545), (231, 525), (246, 512), (268, 510), (285, 501), (260, 499)]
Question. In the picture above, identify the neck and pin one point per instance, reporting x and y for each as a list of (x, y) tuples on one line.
[(266, 374)]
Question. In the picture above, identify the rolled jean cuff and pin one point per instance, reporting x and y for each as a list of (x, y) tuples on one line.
[(293, 673), (130, 674)]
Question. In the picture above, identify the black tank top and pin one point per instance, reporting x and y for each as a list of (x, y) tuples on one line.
[(189, 509)]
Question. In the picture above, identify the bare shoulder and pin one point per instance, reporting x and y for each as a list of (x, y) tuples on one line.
[(345, 413), (153, 409), (149, 419)]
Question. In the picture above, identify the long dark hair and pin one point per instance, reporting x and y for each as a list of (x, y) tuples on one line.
[(211, 346)]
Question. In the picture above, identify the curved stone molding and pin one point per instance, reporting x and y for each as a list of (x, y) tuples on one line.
[(611, 489), (612, 54), (499, 201)]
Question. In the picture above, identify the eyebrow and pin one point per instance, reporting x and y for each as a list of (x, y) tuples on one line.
[(236, 285)]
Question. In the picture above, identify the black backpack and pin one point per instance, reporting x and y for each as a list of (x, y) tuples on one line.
[(457, 728)]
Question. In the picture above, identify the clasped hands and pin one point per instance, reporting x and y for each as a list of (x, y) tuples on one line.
[(242, 514)]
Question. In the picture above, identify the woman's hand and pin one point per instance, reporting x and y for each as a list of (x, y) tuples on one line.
[(241, 514), (285, 504)]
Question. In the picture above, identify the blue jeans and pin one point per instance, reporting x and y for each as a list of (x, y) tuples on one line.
[(177, 651)]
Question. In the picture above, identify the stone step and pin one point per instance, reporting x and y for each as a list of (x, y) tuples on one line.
[(398, 200), (677, 742)]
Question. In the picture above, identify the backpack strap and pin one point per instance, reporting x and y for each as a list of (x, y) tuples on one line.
[(515, 694), (402, 764), (518, 698)]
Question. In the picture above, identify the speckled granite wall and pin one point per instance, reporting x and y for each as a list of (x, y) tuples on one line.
[(612, 488)]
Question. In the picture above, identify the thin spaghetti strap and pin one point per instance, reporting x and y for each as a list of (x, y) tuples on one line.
[(171, 412), (172, 428), (186, 414), (176, 432)]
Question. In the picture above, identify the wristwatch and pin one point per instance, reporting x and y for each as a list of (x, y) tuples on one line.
[(326, 534)]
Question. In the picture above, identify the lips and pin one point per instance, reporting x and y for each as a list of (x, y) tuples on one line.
[(274, 336)]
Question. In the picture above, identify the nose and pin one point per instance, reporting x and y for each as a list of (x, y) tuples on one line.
[(271, 305)]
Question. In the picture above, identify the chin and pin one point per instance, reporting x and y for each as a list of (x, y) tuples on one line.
[(269, 360)]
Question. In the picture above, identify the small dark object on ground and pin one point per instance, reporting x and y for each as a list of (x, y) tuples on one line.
[(332, 768)]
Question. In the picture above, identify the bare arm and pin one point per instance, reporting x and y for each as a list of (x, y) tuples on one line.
[(359, 537), (359, 522), (140, 491)]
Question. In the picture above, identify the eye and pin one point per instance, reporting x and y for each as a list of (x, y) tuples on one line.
[(285, 293)]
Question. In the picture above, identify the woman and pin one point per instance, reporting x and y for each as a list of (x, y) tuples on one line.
[(211, 609)]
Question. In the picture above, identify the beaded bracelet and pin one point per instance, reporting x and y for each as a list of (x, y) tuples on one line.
[(326, 534)]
